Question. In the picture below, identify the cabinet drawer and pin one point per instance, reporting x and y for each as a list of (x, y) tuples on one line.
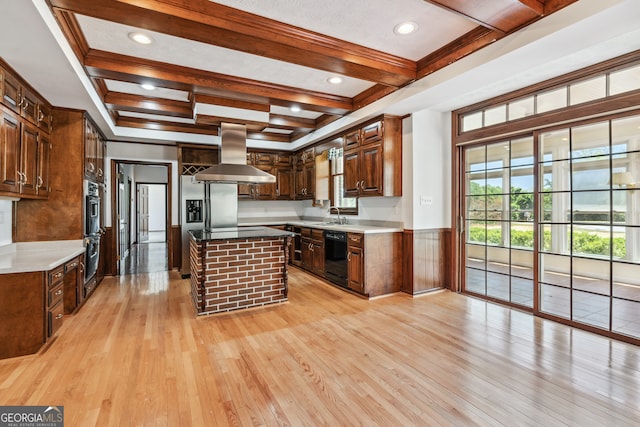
[(54, 295), (74, 263), (305, 232), (55, 276), (89, 287), (56, 313), (355, 239), (317, 234)]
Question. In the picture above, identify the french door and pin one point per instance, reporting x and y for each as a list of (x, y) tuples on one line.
[(552, 224)]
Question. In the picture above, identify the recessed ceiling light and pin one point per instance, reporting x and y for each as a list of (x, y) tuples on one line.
[(295, 108), (335, 80), (147, 86), (405, 28), (140, 38)]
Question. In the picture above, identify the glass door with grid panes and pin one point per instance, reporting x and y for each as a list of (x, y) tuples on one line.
[(574, 253), (499, 220)]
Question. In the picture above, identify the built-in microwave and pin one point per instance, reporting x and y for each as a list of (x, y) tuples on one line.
[(92, 209)]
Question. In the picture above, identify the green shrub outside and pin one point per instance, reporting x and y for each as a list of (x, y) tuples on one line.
[(583, 241)]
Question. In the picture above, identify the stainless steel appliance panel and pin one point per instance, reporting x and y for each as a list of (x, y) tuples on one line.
[(191, 198)]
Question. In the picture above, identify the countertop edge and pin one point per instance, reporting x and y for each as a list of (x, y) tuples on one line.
[(31, 258)]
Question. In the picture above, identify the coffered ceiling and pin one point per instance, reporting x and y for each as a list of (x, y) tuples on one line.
[(267, 63)]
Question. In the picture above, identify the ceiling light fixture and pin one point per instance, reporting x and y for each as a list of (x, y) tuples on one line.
[(140, 38), (295, 109), (335, 80), (405, 28), (147, 86)]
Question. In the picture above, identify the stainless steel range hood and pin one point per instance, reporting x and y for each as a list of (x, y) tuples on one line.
[(233, 166)]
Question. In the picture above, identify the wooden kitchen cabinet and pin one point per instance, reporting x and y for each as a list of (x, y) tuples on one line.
[(373, 159), (25, 163), (55, 300), (284, 183), (25, 120), (374, 263), (355, 262), (313, 250), (277, 164), (73, 284), (94, 148)]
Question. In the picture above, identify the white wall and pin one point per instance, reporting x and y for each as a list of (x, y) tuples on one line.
[(427, 170), (151, 174), (144, 153), (6, 221), (157, 207)]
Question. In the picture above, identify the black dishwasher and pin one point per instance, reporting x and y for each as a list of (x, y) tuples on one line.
[(335, 257)]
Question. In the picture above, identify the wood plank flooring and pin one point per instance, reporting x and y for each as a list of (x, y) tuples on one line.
[(136, 355)]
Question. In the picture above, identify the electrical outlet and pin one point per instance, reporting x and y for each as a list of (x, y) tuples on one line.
[(426, 200)]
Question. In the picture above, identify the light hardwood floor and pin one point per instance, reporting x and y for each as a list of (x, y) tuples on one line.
[(136, 354)]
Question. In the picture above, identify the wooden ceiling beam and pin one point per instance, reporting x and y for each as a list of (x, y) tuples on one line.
[(497, 15), (163, 125), (218, 25), (269, 136), (137, 70), (142, 104), (279, 121), (203, 119), (233, 103)]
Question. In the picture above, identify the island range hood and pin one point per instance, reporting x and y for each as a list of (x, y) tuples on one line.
[(233, 167)]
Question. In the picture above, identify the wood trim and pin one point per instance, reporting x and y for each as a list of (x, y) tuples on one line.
[(109, 251), (71, 29), (227, 102), (426, 261), (627, 102), (230, 28), (175, 247), (278, 121), (150, 105), (137, 70), (269, 136), (136, 122)]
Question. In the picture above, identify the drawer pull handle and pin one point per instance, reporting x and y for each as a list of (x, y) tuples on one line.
[(59, 292), (348, 256), (59, 316), (74, 265), (58, 275)]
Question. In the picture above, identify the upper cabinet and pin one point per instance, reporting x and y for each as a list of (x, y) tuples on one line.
[(373, 159), (25, 124), (277, 164), (94, 148), (304, 174)]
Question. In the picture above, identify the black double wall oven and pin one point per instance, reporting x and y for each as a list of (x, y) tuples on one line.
[(92, 229)]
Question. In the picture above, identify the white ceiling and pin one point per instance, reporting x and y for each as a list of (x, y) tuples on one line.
[(367, 23), (557, 44)]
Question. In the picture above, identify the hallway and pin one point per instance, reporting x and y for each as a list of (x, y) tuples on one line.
[(148, 257)]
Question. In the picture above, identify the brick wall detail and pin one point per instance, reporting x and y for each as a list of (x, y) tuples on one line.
[(237, 274)]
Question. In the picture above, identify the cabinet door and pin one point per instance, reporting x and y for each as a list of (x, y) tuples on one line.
[(307, 254), (265, 191), (299, 179), (318, 259), (310, 181), (29, 106), (29, 159), (351, 140), (265, 159), (245, 191), (371, 170), (89, 150), (44, 117), (281, 159), (284, 184), (9, 152), (10, 91), (100, 146), (372, 133), (355, 271), (44, 153), (351, 173)]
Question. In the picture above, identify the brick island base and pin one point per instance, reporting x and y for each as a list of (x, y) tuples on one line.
[(233, 274)]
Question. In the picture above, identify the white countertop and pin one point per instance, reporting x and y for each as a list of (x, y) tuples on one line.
[(326, 225), (38, 256)]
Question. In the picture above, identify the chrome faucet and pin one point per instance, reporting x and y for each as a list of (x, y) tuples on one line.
[(339, 220)]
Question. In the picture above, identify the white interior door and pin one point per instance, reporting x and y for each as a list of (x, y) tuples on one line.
[(143, 213)]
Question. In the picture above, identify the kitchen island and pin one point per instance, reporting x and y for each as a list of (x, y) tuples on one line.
[(238, 268)]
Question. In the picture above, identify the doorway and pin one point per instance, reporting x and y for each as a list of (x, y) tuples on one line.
[(152, 211), (141, 209)]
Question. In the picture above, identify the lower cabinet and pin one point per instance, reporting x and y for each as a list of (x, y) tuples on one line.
[(313, 250), (33, 305), (374, 263)]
